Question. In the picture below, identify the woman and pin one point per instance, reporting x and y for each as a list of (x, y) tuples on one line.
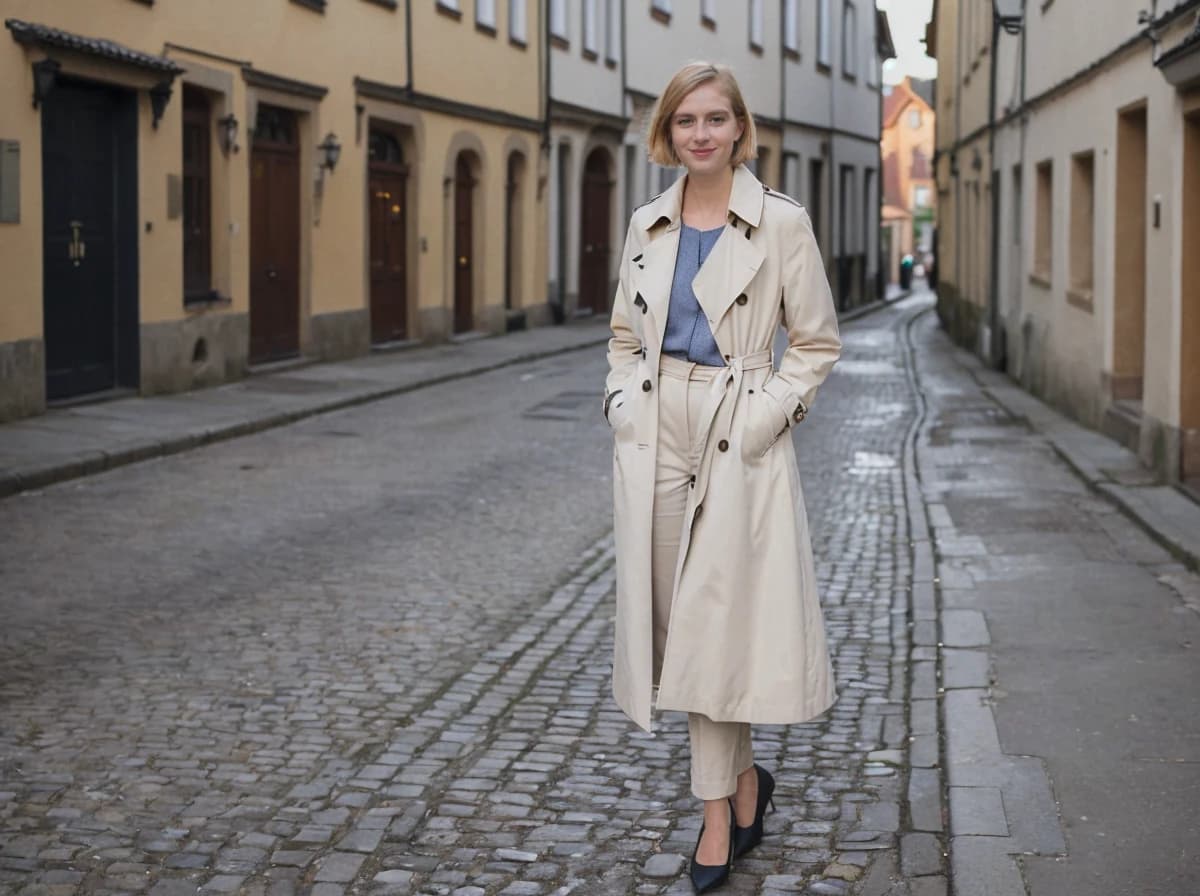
[(716, 593)]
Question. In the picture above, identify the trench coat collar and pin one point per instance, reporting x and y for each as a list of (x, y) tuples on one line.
[(745, 201), (729, 268)]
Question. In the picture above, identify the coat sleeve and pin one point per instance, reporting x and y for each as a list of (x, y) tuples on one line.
[(625, 346), (811, 322)]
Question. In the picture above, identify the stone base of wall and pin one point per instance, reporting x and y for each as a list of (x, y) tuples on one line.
[(23, 373), (961, 318), (339, 335), (541, 315), (202, 350), (492, 319), (1163, 448), (433, 324)]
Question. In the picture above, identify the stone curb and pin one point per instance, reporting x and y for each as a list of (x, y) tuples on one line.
[(21, 479)]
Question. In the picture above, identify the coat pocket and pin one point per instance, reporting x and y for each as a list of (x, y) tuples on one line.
[(765, 422)]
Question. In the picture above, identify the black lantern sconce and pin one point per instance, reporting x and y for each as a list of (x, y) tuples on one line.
[(331, 151), (45, 76), (160, 94), (229, 131)]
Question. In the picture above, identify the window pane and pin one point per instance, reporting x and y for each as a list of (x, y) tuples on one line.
[(791, 26), (589, 25), (756, 23), (485, 12), (558, 18), (823, 48), (516, 20)]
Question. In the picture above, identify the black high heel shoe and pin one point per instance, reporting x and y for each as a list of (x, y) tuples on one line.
[(745, 839), (709, 877)]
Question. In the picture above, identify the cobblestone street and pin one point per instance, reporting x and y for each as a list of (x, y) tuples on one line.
[(369, 653), (371, 650)]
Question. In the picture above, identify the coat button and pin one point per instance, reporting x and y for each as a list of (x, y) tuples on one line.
[(693, 481), (723, 445), (646, 386), (742, 300)]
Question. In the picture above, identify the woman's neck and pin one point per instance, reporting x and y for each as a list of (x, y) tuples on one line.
[(706, 199)]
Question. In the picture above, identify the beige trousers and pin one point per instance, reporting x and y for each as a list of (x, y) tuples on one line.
[(720, 750)]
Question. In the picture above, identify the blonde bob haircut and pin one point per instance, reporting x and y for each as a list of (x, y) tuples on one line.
[(687, 79)]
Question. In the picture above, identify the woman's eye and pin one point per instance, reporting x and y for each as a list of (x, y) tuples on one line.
[(683, 122), (717, 119)]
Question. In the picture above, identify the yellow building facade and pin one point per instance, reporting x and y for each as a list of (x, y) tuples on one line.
[(192, 190)]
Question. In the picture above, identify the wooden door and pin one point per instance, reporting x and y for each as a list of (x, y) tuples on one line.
[(274, 237), (79, 240), (386, 185), (464, 188), (594, 234)]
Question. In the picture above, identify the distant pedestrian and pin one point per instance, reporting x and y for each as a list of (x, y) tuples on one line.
[(717, 604)]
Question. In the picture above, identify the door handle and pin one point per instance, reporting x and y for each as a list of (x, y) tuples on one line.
[(272, 274), (462, 261), (77, 248)]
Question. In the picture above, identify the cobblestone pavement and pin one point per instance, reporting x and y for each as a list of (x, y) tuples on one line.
[(369, 653)]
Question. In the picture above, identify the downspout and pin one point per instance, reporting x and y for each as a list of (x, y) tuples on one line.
[(408, 41), (995, 343)]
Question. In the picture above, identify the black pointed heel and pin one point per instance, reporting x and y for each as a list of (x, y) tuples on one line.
[(709, 877), (745, 839)]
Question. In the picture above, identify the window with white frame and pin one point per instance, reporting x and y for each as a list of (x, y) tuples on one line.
[(558, 19), (612, 31), (590, 47), (756, 24), (516, 21), (824, 40), (849, 39), (485, 13), (791, 26)]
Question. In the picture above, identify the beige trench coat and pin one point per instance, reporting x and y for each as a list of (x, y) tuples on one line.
[(747, 640)]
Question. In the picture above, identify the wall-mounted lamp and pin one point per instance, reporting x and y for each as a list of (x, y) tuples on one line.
[(160, 93), (331, 151), (229, 132), (45, 76), (1009, 15)]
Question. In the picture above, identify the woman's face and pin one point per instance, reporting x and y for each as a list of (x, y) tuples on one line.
[(703, 130)]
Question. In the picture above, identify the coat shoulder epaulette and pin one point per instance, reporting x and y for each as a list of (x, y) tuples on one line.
[(784, 196), (649, 201)]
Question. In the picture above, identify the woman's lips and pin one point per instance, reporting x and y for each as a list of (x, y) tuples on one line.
[(704, 153)]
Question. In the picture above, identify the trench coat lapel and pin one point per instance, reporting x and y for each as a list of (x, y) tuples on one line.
[(652, 279), (727, 271)]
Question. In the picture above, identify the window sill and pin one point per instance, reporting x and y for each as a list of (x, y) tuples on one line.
[(484, 28), (559, 42), (789, 53), (823, 68), (206, 301), (449, 12), (518, 43), (611, 63), (1040, 278), (660, 15), (591, 55), (1081, 299), (756, 49), (393, 5), (314, 5), (710, 24)]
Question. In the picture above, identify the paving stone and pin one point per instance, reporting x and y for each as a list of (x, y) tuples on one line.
[(663, 864), (920, 854)]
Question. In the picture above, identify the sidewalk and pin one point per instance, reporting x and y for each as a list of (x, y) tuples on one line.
[(84, 439), (1065, 644)]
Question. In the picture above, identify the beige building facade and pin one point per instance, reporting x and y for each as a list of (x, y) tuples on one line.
[(1095, 291), (189, 191)]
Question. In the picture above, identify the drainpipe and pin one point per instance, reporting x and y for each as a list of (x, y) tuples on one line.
[(995, 343)]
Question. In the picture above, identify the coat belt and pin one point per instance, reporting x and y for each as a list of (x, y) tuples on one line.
[(730, 382)]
